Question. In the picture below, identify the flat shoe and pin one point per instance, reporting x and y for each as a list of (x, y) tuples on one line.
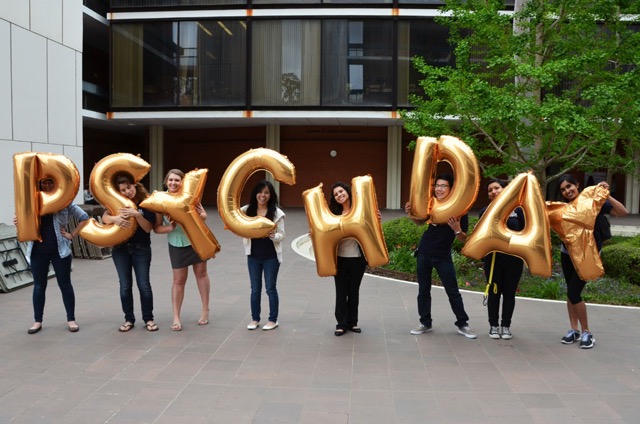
[(270, 326), (151, 326), (253, 325), (74, 328), (339, 332), (203, 321), (34, 330), (356, 329), (176, 326)]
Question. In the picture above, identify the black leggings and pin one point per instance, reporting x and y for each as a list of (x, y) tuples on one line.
[(574, 284), (507, 271)]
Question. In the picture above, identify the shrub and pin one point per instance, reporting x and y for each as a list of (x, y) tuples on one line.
[(402, 232), (622, 261), (401, 259)]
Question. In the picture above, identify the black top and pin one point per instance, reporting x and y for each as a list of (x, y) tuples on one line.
[(49, 242), (437, 240), (141, 236), (263, 248), (606, 209)]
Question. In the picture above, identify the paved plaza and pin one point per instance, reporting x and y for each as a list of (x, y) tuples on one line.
[(300, 372)]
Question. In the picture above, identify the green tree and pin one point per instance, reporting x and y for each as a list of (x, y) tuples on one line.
[(552, 87)]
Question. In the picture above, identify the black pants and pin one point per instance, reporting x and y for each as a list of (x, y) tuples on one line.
[(348, 279), (507, 271)]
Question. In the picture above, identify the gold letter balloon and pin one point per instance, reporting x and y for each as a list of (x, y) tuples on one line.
[(574, 223), (29, 169), (105, 192), (532, 244), (362, 223), (234, 180), (466, 171), (181, 207)]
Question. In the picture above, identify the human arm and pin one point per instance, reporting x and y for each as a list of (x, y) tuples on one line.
[(201, 211), (459, 227), (617, 208), (407, 209), (278, 233), (161, 227)]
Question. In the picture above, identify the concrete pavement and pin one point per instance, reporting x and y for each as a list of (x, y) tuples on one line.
[(300, 372)]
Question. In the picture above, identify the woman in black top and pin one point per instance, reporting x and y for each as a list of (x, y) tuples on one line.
[(507, 270)]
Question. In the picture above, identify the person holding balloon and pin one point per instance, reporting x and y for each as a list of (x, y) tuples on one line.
[(434, 251), (576, 306), (134, 254), (264, 255), (182, 255), (54, 248), (503, 272), (351, 265)]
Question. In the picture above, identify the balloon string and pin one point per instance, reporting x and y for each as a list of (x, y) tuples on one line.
[(495, 286)]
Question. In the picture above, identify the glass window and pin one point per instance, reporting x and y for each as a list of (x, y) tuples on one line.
[(143, 65), (285, 63), (357, 66), (423, 38), (212, 63)]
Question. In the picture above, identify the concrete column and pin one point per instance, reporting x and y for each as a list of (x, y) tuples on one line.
[(394, 167), (273, 143), (632, 193), (156, 157)]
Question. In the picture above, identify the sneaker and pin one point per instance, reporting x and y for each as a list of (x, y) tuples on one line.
[(270, 326), (466, 331), (253, 325), (494, 332), (571, 337), (506, 333), (421, 329), (587, 340)]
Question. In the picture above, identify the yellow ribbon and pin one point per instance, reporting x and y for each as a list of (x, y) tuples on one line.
[(495, 286)]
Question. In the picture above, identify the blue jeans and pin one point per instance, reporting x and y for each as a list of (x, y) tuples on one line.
[(270, 268), (136, 257), (40, 270), (447, 274)]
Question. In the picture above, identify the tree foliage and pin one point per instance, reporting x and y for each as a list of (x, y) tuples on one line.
[(552, 87)]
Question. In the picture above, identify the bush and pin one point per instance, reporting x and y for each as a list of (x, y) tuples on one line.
[(622, 261), (401, 259), (402, 232)]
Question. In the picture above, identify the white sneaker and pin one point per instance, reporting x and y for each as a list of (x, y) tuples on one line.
[(466, 331), (270, 326), (506, 333), (253, 325), (494, 332), (421, 329)]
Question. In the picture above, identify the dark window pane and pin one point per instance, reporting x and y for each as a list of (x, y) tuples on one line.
[(286, 63), (357, 63), (423, 38)]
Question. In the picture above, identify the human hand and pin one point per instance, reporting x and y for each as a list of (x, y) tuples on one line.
[(454, 223)]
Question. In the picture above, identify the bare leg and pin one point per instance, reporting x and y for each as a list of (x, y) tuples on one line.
[(204, 287), (580, 311), (177, 291)]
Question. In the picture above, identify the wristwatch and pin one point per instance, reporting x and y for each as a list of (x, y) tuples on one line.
[(457, 232)]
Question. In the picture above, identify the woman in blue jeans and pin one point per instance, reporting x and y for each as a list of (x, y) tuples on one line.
[(135, 254), (55, 249), (264, 255)]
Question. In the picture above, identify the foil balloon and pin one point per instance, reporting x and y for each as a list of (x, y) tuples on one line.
[(29, 169), (574, 224), (105, 191), (181, 207), (459, 155), (234, 180), (532, 244), (362, 223)]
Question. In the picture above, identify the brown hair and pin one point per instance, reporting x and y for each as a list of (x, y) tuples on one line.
[(126, 178), (173, 171)]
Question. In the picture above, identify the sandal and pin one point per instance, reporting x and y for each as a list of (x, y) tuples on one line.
[(203, 321), (73, 327), (151, 326), (339, 332), (126, 327), (176, 326)]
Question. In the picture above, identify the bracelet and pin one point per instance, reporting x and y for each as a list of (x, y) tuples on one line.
[(457, 233)]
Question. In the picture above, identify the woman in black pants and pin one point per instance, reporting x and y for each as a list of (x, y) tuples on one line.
[(507, 270), (351, 266)]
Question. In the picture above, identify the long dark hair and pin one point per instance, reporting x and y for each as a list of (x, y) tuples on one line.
[(334, 206), (570, 179), (126, 178), (272, 204)]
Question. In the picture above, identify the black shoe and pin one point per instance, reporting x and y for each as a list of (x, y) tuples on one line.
[(34, 330), (356, 329), (339, 332)]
